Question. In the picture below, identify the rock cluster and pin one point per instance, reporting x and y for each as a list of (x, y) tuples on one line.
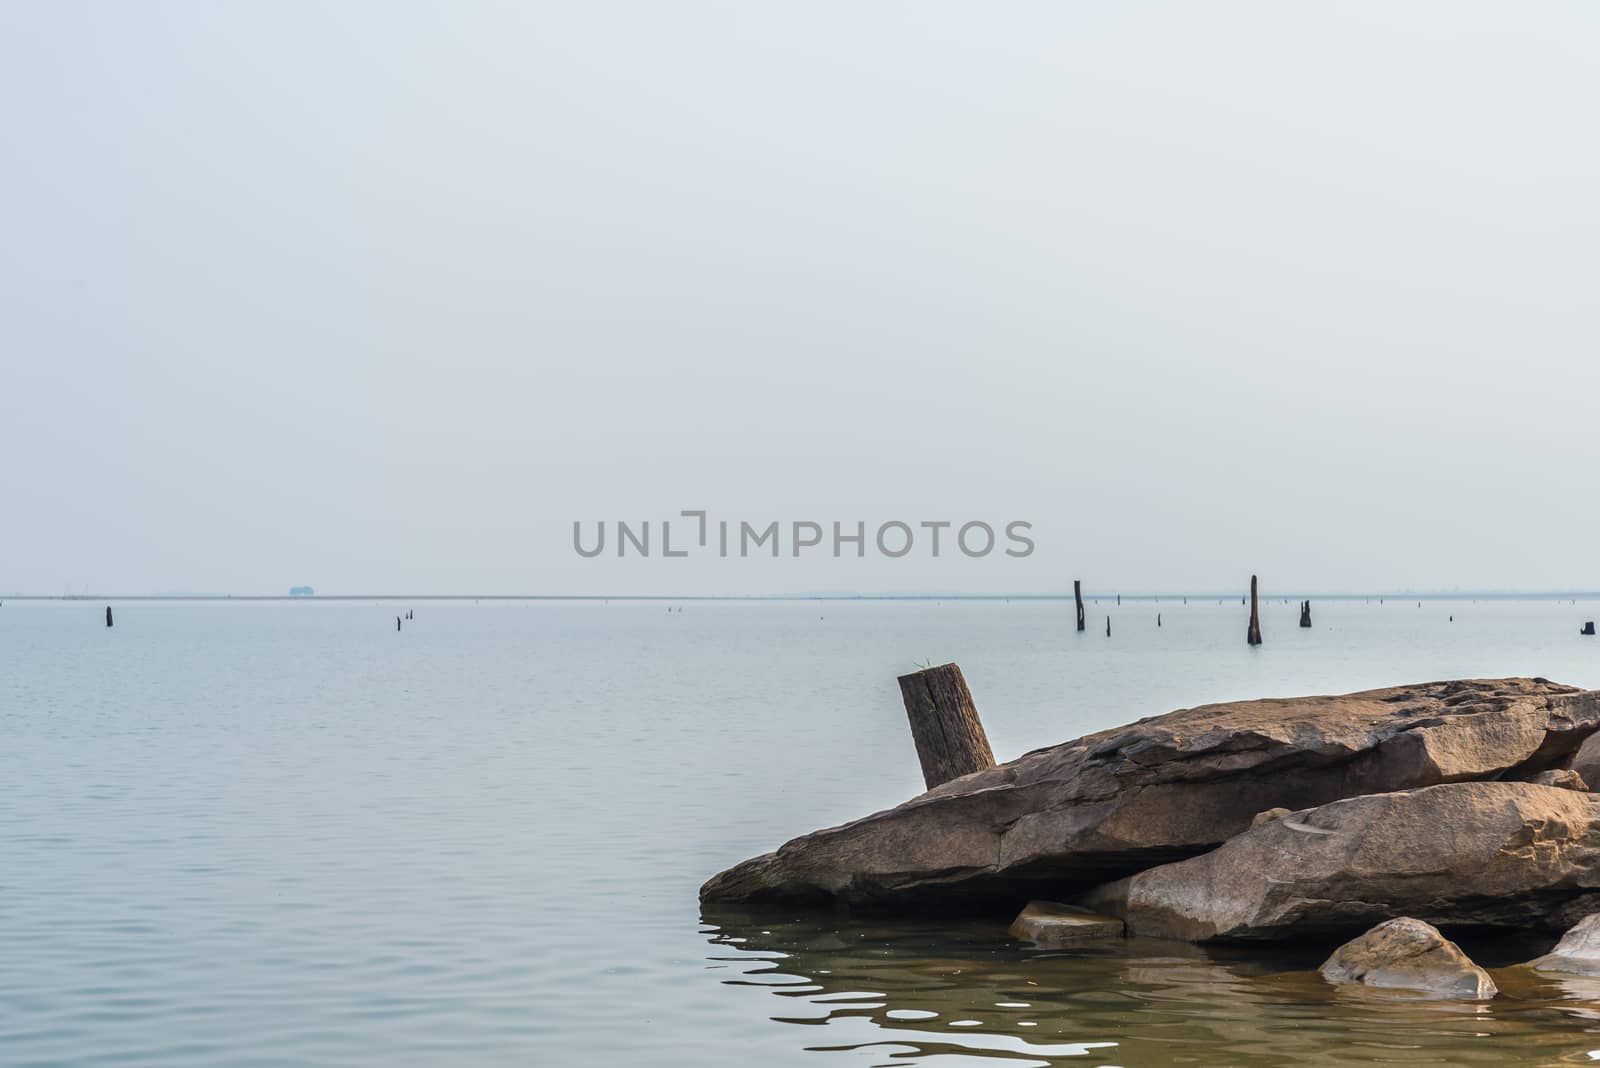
[(1454, 803), (1341, 784)]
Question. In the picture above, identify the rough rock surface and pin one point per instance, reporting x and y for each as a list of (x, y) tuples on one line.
[(1586, 761), (1050, 923), (1411, 955), (1062, 819), (1578, 952), (1497, 854), (1269, 815), (1562, 777)]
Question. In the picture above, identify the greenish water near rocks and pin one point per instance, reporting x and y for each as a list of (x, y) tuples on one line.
[(918, 993), (283, 833)]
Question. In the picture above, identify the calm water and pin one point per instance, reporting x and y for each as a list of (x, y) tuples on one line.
[(282, 833)]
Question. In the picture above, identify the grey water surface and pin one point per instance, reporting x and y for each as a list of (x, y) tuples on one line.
[(285, 833)]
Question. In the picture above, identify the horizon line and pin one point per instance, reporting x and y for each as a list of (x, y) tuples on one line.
[(801, 596)]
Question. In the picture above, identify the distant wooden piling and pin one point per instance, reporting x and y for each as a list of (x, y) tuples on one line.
[(1588, 628), (1305, 613), (396, 622), (1253, 635), (1158, 619), (1108, 626), (108, 615), (944, 724), (1077, 595)]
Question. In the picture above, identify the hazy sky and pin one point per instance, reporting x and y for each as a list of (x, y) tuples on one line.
[(383, 297)]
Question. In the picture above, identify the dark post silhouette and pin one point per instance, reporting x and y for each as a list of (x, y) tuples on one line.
[(1108, 626), (1305, 613), (396, 622), (944, 724), (108, 615), (1253, 635), (1077, 595), (1588, 628), (1158, 619)]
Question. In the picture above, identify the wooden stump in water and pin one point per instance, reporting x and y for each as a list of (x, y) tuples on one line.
[(1253, 635), (1077, 595), (108, 615), (944, 724), (1588, 628), (1305, 613)]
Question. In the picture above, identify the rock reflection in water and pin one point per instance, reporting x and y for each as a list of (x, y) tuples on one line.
[(923, 992)]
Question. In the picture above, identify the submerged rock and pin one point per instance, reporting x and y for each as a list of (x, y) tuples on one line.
[(1050, 923), (1060, 820), (1496, 854), (1578, 952), (1410, 955)]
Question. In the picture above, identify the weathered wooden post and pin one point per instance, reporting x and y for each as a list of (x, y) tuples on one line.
[(396, 622), (944, 724), (1108, 626), (1305, 613), (1253, 635), (1077, 595), (108, 615), (1588, 628)]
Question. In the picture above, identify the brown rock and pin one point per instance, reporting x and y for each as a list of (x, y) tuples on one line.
[(1268, 816), (1063, 819), (1586, 761), (1562, 777), (1411, 955), (1049, 923), (1578, 952), (1496, 854)]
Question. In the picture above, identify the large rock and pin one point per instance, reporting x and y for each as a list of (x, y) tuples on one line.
[(1411, 955), (1496, 854), (1578, 952), (1068, 817)]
